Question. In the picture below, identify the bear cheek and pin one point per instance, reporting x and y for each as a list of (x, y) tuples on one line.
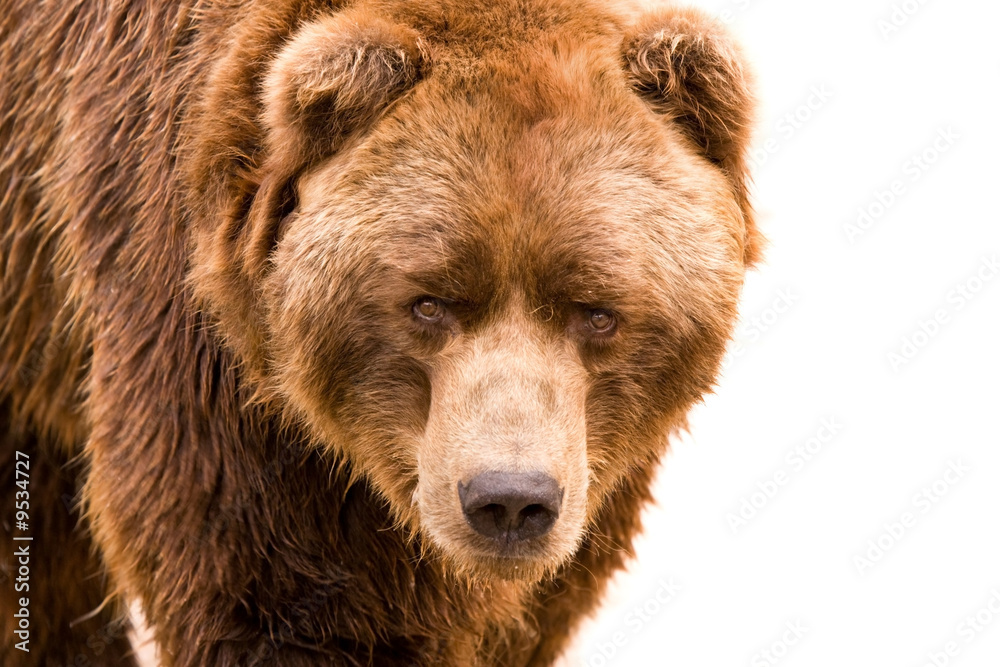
[(337, 367)]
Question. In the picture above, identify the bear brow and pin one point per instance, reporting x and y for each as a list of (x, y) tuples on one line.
[(465, 273), (583, 287), (581, 275)]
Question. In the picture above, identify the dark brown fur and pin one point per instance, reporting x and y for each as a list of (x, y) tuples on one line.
[(236, 424)]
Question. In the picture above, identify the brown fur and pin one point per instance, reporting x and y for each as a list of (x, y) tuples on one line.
[(215, 219)]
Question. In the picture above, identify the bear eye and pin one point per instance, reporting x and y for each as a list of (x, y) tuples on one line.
[(428, 309), (601, 320)]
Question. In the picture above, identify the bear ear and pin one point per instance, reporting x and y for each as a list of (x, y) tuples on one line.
[(330, 80), (333, 78), (687, 68)]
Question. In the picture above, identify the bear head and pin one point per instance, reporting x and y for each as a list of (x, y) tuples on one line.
[(489, 257)]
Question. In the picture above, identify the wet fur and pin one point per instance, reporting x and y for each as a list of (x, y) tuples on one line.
[(249, 475)]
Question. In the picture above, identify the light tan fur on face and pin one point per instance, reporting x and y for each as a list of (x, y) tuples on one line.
[(510, 399)]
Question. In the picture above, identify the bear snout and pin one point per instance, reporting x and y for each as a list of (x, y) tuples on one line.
[(511, 507)]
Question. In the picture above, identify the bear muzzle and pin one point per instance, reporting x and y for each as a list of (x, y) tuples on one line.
[(511, 507)]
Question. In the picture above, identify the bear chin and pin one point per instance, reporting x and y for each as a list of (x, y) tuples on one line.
[(482, 567), (480, 559)]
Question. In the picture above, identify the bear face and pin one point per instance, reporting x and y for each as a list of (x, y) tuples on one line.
[(490, 266)]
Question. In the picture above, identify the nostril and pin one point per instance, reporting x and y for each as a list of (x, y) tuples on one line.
[(535, 520), (533, 512), (494, 512), (511, 506), (490, 519)]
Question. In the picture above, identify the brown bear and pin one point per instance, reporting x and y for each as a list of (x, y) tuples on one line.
[(350, 333)]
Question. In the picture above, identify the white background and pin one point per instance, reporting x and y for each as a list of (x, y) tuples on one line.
[(890, 90)]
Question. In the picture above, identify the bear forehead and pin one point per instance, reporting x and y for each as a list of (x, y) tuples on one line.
[(533, 164), (471, 30), (564, 214)]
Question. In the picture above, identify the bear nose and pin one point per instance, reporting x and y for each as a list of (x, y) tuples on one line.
[(511, 507)]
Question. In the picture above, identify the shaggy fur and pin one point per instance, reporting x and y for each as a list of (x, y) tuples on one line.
[(216, 219)]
